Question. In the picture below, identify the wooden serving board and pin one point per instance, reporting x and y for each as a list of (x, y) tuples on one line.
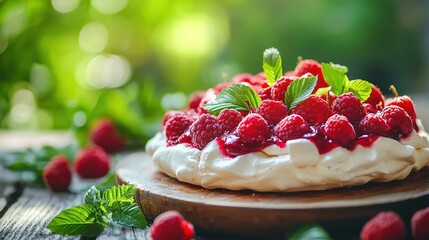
[(270, 215)]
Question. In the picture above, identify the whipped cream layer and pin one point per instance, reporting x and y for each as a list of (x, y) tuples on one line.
[(296, 167)]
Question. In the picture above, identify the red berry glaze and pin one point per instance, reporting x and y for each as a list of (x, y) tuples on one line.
[(253, 128), (278, 90), (314, 110), (204, 130), (420, 224), (339, 130), (376, 97), (291, 127), (171, 225), (272, 111), (57, 174), (105, 134), (383, 226), (347, 104), (373, 124), (229, 119), (398, 121), (92, 163), (176, 126), (313, 67)]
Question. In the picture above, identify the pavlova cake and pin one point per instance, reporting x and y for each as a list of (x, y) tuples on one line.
[(308, 129)]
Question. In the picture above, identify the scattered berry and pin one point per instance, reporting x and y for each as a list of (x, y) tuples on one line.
[(92, 163), (278, 90), (385, 225), (57, 174), (339, 130), (176, 126), (195, 100), (373, 124), (253, 128), (229, 119), (204, 130), (347, 104), (313, 67), (291, 127), (398, 121), (106, 135), (272, 111), (314, 110), (420, 224), (265, 93), (171, 225), (376, 97), (406, 103)]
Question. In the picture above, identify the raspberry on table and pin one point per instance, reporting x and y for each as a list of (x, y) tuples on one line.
[(253, 128), (376, 97), (92, 162), (373, 124), (176, 126), (398, 121), (57, 174), (313, 67), (420, 224), (204, 129), (383, 226), (106, 135), (229, 119), (278, 90), (314, 110), (291, 127), (339, 130), (171, 225), (272, 111), (347, 104)]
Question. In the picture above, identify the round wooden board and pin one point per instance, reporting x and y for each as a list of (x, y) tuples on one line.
[(270, 215)]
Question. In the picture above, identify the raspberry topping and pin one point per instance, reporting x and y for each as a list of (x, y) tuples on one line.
[(398, 121), (376, 98), (406, 103), (57, 174), (347, 104), (314, 110), (369, 108), (291, 127), (313, 67), (339, 130), (176, 126), (265, 93), (279, 88), (272, 111), (373, 124), (385, 225), (229, 119), (195, 100), (420, 224), (171, 225), (253, 128), (204, 130)]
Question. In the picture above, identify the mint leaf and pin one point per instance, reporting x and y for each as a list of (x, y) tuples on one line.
[(335, 76), (272, 65), (117, 195), (93, 197), (313, 232), (79, 220), (238, 96), (299, 90), (129, 215), (361, 88)]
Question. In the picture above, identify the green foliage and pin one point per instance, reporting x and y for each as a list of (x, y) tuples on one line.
[(299, 90), (309, 232), (272, 65)]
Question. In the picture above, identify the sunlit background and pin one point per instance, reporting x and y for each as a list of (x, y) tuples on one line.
[(64, 63)]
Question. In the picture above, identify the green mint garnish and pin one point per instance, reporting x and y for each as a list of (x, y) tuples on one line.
[(361, 88), (309, 232), (90, 219), (299, 90), (272, 65), (238, 96)]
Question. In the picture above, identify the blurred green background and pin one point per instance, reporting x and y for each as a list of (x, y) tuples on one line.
[(63, 63)]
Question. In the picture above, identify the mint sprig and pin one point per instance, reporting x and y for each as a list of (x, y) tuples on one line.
[(89, 219), (272, 65), (309, 232), (238, 96), (299, 90)]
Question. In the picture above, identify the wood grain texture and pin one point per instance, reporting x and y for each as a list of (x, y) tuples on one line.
[(261, 215)]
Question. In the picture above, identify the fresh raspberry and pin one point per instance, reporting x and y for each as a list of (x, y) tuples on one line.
[(398, 121), (171, 225), (57, 174), (406, 103), (314, 110), (313, 67), (220, 86), (420, 224), (272, 111), (229, 119), (195, 100), (176, 126), (347, 104), (373, 124), (204, 130), (265, 93), (278, 90), (385, 225), (106, 135), (92, 163), (369, 108), (329, 98), (169, 115), (243, 78), (253, 128), (376, 97), (339, 130), (291, 127)]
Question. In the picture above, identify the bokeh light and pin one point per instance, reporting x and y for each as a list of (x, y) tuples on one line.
[(109, 6), (65, 6), (93, 37)]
